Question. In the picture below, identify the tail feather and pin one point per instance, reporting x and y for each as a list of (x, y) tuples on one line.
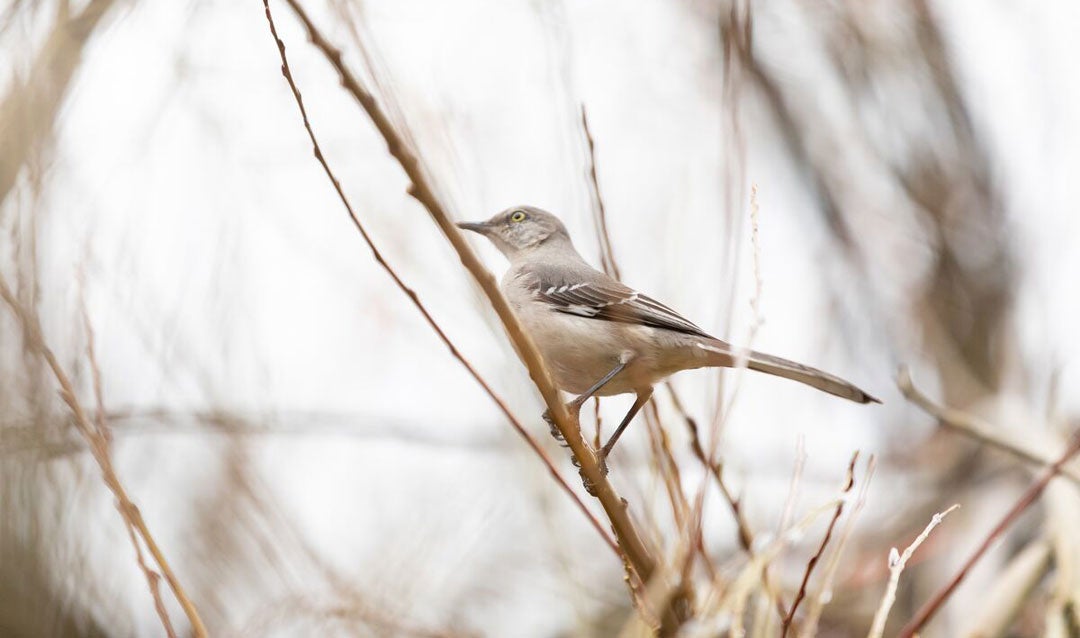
[(723, 354)]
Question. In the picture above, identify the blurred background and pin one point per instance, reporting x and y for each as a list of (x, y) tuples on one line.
[(311, 459)]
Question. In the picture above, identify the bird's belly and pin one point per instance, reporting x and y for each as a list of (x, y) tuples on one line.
[(581, 351)]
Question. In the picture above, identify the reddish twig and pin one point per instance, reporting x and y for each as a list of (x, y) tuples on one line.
[(927, 611), (716, 470), (414, 298), (849, 483)]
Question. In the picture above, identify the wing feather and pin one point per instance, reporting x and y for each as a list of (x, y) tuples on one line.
[(609, 300)]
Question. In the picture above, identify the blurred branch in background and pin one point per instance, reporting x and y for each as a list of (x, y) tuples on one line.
[(28, 110), (97, 438), (927, 611)]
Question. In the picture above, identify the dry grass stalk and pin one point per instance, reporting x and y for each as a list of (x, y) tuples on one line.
[(974, 428), (666, 465), (1025, 501), (849, 483), (716, 471), (755, 242), (897, 562), (730, 601), (607, 254), (28, 111), (415, 299), (824, 592), (103, 432), (99, 448)]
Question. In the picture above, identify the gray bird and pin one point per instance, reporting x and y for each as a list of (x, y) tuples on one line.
[(600, 337)]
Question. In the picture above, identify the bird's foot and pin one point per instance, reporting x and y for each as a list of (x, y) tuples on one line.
[(555, 433), (589, 486)]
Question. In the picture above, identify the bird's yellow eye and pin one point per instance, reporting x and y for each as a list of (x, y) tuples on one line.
[(517, 216)]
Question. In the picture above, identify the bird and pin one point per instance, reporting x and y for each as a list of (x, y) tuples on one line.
[(600, 337)]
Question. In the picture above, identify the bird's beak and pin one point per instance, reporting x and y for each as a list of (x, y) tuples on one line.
[(476, 227)]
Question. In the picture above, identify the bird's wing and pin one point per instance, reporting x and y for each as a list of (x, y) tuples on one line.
[(594, 295)]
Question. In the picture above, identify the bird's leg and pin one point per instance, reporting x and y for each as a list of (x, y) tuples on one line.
[(643, 397), (575, 405)]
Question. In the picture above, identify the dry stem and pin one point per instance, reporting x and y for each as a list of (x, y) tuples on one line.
[(105, 436), (100, 450), (970, 426), (897, 562), (849, 483), (1025, 501), (629, 539), (607, 254), (824, 592), (414, 298)]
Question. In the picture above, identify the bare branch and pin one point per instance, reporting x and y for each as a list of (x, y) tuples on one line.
[(99, 448), (1025, 501), (972, 427), (414, 298), (421, 189), (897, 562)]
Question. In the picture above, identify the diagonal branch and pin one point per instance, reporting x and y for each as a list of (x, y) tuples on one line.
[(414, 298), (927, 611), (970, 426), (98, 443)]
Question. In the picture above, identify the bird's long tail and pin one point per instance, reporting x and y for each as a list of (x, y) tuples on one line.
[(720, 353)]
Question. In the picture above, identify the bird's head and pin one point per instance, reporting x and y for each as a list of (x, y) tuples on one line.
[(520, 229)]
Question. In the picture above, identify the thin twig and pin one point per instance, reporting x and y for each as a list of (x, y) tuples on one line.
[(1025, 501), (759, 284), (970, 426), (848, 484), (666, 465), (793, 486), (716, 470), (607, 254), (105, 436), (597, 438), (421, 190), (897, 562), (415, 299), (824, 592), (99, 448), (152, 580)]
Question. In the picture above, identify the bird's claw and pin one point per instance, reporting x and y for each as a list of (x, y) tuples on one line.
[(555, 433), (589, 486)]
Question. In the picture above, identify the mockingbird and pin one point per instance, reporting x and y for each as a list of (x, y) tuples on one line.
[(600, 337)]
